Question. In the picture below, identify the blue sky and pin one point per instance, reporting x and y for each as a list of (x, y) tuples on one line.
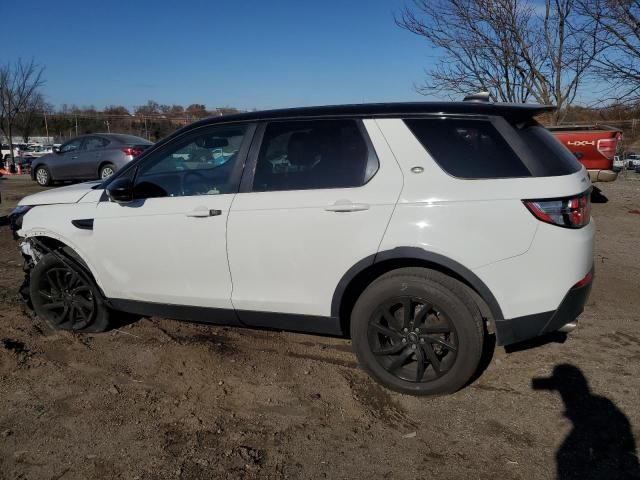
[(242, 53)]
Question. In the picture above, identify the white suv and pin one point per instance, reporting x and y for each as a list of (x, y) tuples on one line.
[(412, 228)]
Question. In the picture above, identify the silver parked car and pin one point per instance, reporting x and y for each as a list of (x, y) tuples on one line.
[(88, 157)]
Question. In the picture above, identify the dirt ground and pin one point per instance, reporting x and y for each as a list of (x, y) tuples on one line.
[(160, 399)]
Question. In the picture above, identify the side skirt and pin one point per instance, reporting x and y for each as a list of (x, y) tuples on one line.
[(223, 316)]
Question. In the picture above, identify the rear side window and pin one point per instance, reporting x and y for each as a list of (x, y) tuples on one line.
[(468, 148), (302, 155)]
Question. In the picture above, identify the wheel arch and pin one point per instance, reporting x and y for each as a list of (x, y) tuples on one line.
[(62, 247), (360, 275)]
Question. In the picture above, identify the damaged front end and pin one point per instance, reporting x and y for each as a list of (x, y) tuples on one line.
[(30, 253)]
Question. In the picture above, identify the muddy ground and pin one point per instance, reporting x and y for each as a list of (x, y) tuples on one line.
[(162, 399)]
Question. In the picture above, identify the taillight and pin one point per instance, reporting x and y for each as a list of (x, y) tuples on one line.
[(133, 151), (571, 212), (607, 147)]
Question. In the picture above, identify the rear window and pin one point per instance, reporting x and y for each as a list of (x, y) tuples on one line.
[(551, 157), (132, 140), (468, 148)]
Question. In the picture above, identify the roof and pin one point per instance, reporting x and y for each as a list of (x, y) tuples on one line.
[(511, 111)]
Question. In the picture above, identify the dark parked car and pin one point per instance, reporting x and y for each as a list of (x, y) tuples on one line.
[(88, 157)]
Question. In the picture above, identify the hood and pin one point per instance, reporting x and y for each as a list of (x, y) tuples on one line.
[(68, 194)]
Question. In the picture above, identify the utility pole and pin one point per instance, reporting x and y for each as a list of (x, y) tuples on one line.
[(46, 127)]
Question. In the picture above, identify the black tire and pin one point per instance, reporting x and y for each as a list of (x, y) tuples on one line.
[(427, 352), (64, 299), (42, 176), (104, 169)]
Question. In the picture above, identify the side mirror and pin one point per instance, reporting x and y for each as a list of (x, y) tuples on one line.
[(56, 149), (120, 190)]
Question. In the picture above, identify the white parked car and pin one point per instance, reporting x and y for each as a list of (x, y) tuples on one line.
[(5, 151), (411, 228)]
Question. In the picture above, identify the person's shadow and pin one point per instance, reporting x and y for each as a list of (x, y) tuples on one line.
[(601, 444)]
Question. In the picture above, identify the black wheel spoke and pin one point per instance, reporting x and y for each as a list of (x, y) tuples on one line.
[(400, 359), (53, 305), (407, 313), (420, 364), (433, 359), (385, 331), (436, 329), (48, 295), (83, 302), (439, 341), (389, 350)]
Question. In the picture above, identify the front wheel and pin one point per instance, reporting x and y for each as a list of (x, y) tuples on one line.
[(65, 299), (42, 176), (418, 331)]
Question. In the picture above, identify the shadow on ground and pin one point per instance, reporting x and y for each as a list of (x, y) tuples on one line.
[(601, 443)]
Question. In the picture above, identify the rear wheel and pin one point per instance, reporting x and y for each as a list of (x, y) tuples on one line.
[(107, 170), (418, 331), (42, 176), (65, 299)]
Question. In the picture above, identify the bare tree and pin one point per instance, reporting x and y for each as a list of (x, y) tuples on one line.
[(517, 50), (19, 84), (31, 116), (618, 28)]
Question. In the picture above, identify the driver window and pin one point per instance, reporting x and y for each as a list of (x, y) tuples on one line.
[(200, 164), (71, 146)]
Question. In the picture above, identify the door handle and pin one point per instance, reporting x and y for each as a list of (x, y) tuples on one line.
[(73, 158), (347, 206), (201, 212)]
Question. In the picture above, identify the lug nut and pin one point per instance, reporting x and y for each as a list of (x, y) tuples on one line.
[(404, 340), (406, 329), (422, 340), (413, 346)]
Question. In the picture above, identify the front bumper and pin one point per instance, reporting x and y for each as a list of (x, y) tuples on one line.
[(530, 326)]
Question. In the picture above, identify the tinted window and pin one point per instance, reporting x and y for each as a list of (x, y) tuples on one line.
[(93, 143), (131, 139), (71, 146), (551, 157), (468, 148), (313, 154), (200, 164)]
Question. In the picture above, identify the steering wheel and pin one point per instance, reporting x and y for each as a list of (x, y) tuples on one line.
[(195, 183)]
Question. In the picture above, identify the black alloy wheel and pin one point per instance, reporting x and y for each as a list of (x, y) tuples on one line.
[(413, 339)]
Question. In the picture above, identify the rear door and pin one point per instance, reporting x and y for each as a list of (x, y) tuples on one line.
[(89, 156), (315, 199)]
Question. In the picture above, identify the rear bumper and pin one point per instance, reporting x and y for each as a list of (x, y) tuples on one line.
[(602, 175), (530, 326)]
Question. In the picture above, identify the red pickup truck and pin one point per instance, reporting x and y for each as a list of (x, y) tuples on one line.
[(594, 146)]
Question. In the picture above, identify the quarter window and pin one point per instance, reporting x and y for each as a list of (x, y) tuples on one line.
[(200, 164), (317, 154), (468, 148)]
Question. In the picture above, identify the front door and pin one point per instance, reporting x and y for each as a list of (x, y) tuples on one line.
[(64, 164), (168, 246), (319, 202)]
